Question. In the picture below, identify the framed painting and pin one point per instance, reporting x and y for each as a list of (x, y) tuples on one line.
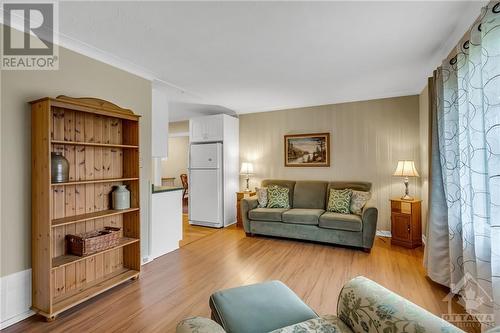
[(307, 150)]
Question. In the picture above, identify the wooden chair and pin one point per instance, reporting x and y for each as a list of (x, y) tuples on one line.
[(184, 180)]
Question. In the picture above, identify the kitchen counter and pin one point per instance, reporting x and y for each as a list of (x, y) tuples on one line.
[(166, 220), (160, 189)]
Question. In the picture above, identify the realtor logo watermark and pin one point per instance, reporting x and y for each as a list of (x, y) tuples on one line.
[(29, 36), (475, 299)]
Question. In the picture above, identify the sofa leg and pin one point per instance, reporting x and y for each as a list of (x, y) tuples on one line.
[(369, 250), (248, 234)]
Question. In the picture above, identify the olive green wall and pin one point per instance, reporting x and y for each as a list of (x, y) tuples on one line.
[(77, 76)]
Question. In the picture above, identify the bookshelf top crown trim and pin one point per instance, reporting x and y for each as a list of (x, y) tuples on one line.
[(90, 105)]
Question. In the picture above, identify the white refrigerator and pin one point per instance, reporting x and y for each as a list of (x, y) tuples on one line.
[(206, 185)]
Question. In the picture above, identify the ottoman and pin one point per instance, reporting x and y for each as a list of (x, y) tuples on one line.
[(258, 308)]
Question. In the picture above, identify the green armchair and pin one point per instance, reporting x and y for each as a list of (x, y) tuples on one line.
[(363, 306)]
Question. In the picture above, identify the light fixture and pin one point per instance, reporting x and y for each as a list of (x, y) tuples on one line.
[(247, 170), (406, 169)]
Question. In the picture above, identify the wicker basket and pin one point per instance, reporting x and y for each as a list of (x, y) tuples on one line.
[(94, 241)]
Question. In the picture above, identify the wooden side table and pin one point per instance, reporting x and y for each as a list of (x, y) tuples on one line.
[(406, 223), (239, 196)]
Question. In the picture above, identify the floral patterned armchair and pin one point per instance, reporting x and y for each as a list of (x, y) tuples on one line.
[(363, 306)]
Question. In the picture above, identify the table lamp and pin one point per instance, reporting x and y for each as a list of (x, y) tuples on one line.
[(406, 169), (247, 170)]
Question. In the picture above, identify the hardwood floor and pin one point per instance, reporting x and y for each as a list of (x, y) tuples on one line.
[(179, 284), (192, 233)]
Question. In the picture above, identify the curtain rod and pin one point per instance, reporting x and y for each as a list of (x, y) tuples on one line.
[(494, 6)]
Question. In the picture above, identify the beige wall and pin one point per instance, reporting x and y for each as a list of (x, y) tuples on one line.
[(367, 140), (77, 76), (424, 154), (178, 147), (177, 162), (178, 127)]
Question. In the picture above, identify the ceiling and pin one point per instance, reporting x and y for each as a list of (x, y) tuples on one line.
[(262, 56)]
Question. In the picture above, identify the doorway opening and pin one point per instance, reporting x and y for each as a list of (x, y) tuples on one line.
[(175, 173)]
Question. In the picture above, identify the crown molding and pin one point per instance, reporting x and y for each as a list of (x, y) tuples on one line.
[(95, 53), (108, 58), (173, 91)]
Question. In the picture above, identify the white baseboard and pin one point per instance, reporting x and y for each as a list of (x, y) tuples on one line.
[(16, 319), (15, 298), (387, 233), (383, 233), (230, 223)]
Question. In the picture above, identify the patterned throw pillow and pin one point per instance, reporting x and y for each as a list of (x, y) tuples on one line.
[(261, 196), (339, 201), (277, 197), (358, 201)]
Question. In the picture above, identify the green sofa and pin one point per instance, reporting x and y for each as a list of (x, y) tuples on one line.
[(308, 219), (362, 306)]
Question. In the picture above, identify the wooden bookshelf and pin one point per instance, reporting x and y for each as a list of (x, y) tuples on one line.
[(95, 181), (92, 144), (101, 143), (68, 259), (92, 289), (90, 216)]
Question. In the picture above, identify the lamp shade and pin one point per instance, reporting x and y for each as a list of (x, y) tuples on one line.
[(246, 168), (406, 169)]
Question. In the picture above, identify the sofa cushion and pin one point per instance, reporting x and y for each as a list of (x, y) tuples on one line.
[(266, 214), (358, 186), (261, 307), (302, 216), (277, 197), (290, 184), (349, 222), (309, 194)]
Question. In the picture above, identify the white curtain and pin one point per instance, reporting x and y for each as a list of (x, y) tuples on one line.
[(463, 246)]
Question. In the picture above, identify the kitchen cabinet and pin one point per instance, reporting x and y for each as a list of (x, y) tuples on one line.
[(206, 129)]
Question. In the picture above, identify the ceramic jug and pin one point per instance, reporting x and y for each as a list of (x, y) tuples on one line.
[(59, 168), (121, 198)]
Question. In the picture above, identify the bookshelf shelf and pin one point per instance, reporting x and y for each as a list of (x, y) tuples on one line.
[(96, 181), (92, 289), (92, 144), (90, 216), (68, 259)]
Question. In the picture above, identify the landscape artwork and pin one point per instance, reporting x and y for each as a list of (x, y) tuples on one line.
[(307, 150)]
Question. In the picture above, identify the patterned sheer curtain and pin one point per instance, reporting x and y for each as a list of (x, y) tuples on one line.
[(463, 241)]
